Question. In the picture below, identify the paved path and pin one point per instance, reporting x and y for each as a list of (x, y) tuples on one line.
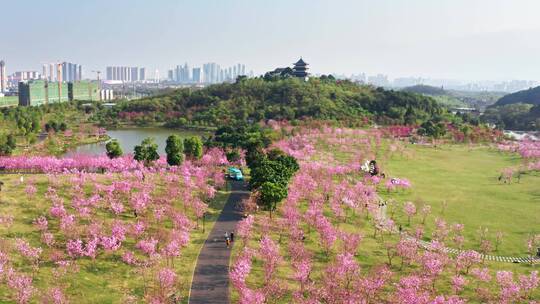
[(211, 278)]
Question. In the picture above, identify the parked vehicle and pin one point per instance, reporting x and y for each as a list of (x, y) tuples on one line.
[(235, 173)]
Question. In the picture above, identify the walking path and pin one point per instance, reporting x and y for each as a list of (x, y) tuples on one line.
[(211, 277), (454, 251)]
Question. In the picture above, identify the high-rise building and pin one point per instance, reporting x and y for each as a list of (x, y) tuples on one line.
[(44, 72), (196, 75), (3, 76), (170, 75), (134, 74), (126, 74), (109, 73), (51, 72), (71, 72), (65, 74), (142, 74)]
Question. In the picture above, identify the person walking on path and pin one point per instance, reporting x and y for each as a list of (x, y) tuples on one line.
[(227, 240), (232, 237)]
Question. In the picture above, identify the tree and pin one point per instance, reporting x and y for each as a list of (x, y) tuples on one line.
[(146, 151), (174, 150), (113, 149), (193, 147), (432, 129), (271, 194), (6, 148), (11, 141)]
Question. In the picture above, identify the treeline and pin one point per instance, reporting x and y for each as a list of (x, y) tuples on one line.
[(147, 152), (517, 116), (516, 111), (252, 100)]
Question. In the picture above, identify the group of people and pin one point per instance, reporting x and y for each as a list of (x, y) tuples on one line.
[(229, 238)]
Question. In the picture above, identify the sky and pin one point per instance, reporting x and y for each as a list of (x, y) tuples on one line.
[(445, 39)]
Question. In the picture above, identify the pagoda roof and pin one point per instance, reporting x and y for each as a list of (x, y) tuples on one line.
[(301, 62)]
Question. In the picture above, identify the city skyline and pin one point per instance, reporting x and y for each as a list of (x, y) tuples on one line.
[(480, 40)]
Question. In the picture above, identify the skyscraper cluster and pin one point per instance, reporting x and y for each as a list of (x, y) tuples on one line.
[(213, 73), (71, 72), (209, 73), (126, 74), (64, 71)]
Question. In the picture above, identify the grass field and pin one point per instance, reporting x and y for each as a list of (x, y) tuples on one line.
[(108, 279), (467, 179)]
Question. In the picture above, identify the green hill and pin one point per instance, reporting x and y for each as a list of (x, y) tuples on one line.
[(425, 89), (516, 111), (530, 96), (443, 97), (251, 100)]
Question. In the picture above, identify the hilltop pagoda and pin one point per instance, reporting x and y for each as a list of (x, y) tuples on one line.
[(300, 69)]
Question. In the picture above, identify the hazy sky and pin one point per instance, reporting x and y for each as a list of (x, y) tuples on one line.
[(457, 39)]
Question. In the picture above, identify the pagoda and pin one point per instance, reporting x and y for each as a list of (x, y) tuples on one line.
[(300, 69)]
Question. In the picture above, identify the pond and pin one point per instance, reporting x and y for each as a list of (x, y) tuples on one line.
[(129, 138)]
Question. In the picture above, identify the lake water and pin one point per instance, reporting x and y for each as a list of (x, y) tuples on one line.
[(129, 138)]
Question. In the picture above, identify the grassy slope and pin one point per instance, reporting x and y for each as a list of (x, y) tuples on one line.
[(467, 180), (107, 280)]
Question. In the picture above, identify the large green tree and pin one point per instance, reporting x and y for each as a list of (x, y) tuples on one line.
[(270, 194), (113, 149), (193, 147), (174, 149), (146, 151)]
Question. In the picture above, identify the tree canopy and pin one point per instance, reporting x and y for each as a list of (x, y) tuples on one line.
[(113, 149), (174, 149), (256, 99), (146, 151)]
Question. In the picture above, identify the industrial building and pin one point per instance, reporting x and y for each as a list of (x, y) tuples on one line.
[(38, 92)]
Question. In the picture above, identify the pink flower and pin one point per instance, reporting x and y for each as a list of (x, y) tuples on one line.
[(30, 190), (138, 228), (75, 248), (147, 246), (129, 258), (47, 238), (24, 248), (166, 278), (41, 223), (22, 284), (458, 282)]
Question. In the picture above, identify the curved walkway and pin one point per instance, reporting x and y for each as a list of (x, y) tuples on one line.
[(211, 277), (495, 258)]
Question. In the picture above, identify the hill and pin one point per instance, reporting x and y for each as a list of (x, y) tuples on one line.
[(455, 98), (424, 89), (443, 97), (516, 111), (530, 96), (251, 100)]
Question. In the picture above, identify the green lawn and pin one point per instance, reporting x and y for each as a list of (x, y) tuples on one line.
[(108, 279), (467, 179)]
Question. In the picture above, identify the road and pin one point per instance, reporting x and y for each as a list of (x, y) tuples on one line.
[(211, 277)]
